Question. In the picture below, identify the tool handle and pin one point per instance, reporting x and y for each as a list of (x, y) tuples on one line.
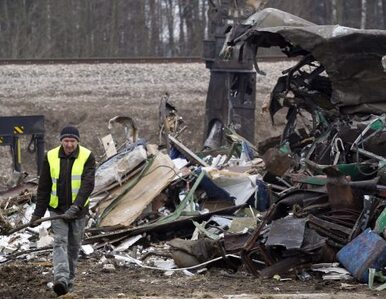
[(16, 229)]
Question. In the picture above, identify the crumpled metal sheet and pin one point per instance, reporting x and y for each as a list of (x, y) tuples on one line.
[(271, 17), (287, 232), (352, 57), (239, 185)]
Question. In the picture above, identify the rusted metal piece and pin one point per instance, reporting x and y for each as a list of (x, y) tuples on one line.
[(339, 190), (277, 162), (334, 231), (285, 266), (370, 205), (251, 243), (345, 217), (253, 238), (312, 209), (234, 242), (302, 198), (267, 257)]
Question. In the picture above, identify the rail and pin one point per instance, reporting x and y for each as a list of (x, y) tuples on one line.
[(128, 60)]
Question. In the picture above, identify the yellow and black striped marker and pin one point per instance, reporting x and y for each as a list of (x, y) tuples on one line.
[(18, 129)]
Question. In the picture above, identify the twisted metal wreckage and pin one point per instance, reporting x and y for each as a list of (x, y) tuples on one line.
[(318, 196)]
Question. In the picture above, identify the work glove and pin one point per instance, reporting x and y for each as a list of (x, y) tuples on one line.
[(33, 219), (72, 213)]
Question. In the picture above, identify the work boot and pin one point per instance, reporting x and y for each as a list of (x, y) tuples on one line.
[(60, 288)]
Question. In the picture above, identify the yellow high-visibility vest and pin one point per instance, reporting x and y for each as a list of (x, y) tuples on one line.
[(76, 173)]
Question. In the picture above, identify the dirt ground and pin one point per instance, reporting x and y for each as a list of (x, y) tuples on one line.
[(29, 280)]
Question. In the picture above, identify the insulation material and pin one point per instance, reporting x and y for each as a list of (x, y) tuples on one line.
[(115, 168), (131, 205)]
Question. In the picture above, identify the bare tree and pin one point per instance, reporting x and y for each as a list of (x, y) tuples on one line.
[(91, 28), (363, 13), (169, 9), (181, 16), (48, 22), (380, 15)]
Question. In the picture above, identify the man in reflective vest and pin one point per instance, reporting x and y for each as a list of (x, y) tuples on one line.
[(66, 181)]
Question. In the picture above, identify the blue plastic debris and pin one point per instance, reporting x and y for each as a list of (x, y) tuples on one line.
[(368, 250)]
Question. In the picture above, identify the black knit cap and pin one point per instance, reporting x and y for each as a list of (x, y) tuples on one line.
[(71, 132)]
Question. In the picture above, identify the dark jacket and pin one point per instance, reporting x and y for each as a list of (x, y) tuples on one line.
[(64, 184)]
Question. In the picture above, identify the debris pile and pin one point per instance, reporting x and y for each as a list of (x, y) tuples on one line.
[(292, 206)]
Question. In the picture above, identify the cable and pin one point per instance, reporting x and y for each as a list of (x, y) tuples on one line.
[(31, 148)]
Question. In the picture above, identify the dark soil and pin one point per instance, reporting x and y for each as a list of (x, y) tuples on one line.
[(30, 279)]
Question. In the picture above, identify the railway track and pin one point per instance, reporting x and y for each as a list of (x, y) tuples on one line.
[(131, 60)]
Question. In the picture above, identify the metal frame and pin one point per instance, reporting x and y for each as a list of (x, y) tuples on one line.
[(12, 127)]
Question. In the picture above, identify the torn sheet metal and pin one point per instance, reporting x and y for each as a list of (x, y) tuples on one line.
[(126, 244), (130, 128), (126, 209), (287, 232), (313, 241), (332, 271), (213, 191), (238, 185), (271, 17), (351, 57)]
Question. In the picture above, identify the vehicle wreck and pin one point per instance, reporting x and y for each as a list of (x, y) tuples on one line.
[(335, 132)]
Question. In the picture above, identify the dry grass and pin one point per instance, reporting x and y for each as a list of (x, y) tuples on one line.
[(89, 95)]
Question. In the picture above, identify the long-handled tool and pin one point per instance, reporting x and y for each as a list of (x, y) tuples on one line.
[(6, 228)]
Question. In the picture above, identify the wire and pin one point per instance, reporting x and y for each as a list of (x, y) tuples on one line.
[(171, 168), (140, 263)]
